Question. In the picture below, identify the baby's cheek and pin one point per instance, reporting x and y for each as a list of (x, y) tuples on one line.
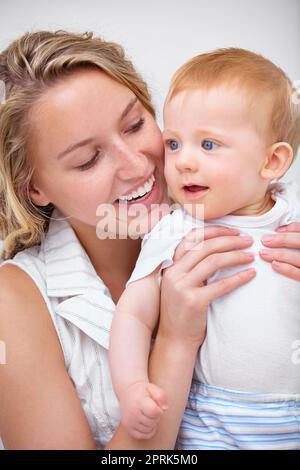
[(169, 172), (225, 175)]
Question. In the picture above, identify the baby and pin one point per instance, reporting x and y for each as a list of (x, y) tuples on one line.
[(231, 130)]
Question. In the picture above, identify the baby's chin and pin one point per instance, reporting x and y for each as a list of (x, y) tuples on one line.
[(202, 211), (205, 209)]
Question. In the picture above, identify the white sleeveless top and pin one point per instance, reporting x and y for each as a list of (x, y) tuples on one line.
[(81, 308)]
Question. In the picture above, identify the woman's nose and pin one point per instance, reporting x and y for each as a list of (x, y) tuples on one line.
[(186, 161), (131, 163)]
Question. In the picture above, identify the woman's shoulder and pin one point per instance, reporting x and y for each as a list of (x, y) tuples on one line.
[(22, 304), (21, 275), (22, 280), (14, 283), (27, 261)]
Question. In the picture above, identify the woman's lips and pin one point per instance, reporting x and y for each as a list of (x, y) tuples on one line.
[(194, 191)]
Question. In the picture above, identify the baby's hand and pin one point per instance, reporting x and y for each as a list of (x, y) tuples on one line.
[(142, 405)]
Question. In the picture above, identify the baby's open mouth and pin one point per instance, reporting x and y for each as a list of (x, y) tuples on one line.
[(193, 188), (194, 192)]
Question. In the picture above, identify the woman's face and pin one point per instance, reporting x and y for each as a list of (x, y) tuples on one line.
[(92, 143)]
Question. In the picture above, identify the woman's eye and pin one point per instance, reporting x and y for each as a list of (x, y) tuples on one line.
[(173, 145), (209, 144), (90, 163), (137, 126)]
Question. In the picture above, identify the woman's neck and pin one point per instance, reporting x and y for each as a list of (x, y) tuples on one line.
[(113, 259)]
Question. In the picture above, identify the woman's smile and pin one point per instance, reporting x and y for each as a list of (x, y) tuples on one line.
[(153, 196)]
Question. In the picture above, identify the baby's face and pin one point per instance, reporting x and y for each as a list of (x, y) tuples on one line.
[(214, 151)]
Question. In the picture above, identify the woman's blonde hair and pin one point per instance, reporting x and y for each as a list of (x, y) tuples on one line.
[(251, 73), (28, 67)]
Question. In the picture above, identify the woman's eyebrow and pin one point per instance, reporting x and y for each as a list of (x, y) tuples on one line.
[(128, 107)]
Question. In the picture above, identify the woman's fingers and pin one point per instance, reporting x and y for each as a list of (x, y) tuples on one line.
[(218, 288), (287, 270), (282, 240), (195, 236), (286, 262), (293, 227), (280, 254), (214, 245), (214, 262)]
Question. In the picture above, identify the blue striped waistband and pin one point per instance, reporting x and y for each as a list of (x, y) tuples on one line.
[(210, 391)]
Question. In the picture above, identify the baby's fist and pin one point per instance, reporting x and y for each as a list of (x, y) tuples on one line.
[(142, 409)]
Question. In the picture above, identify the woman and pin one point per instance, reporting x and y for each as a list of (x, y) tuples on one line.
[(78, 133)]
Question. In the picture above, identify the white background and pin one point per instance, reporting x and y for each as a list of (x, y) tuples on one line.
[(159, 35)]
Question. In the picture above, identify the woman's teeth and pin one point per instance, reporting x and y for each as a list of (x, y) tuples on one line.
[(139, 192)]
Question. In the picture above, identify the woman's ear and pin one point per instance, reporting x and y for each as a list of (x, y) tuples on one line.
[(278, 161), (37, 196)]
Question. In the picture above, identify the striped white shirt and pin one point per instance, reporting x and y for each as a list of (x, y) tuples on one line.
[(81, 308)]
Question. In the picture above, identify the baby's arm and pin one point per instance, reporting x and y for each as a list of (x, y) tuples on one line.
[(135, 318)]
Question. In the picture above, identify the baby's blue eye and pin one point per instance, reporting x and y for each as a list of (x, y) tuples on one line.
[(208, 144), (173, 144)]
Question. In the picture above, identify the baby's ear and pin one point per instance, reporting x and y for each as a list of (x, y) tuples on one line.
[(278, 161)]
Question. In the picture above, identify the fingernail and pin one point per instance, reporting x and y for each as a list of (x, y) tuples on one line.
[(282, 229), (250, 272), (266, 252), (275, 263), (246, 238), (267, 239)]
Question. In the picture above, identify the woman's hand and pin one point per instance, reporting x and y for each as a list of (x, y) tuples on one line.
[(184, 293), (284, 261)]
